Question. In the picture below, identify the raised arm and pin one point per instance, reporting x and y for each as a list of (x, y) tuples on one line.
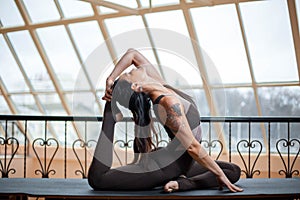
[(177, 122), (134, 57)]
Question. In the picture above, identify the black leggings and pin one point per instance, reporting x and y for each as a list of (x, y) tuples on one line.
[(152, 171)]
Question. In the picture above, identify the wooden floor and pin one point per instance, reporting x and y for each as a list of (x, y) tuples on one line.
[(18, 188)]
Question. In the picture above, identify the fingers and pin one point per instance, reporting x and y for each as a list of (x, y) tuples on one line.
[(237, 189), (108, 95), (234, 188), (223, 181), (108, 91)]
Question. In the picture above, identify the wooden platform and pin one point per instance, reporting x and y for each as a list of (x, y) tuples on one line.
[(79, 189)]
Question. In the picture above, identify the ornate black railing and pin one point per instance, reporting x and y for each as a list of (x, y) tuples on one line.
[(247, 140)]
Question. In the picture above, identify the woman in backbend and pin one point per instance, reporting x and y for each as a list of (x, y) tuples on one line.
[(183, 164)]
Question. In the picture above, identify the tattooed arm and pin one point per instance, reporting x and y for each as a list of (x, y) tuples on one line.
[(176, 120)]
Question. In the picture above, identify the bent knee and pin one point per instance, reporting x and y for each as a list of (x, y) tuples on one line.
[(232, 171), (94, 180), (236, 173), (91, 180)]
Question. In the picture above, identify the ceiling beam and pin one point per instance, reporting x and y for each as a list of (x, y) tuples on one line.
[(7, 98), (114, 6), (46, 61), (81, 61), (203, 73), (141, 11), (106, 36), (215, 86), (250, 65), (27, 81), (11, 105), (152, 42)]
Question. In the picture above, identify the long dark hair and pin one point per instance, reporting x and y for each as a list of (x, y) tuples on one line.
[(139, 104)]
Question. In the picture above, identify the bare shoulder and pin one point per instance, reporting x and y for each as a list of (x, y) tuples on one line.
[(170, 101)]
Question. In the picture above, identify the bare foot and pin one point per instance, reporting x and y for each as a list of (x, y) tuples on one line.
[(171, 186)]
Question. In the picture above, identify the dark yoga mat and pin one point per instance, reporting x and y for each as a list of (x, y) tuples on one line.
[(79, 188)]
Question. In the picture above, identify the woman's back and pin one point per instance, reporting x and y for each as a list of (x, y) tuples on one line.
[(190, 110)]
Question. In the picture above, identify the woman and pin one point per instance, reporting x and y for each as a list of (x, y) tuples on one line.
[(183, 164)]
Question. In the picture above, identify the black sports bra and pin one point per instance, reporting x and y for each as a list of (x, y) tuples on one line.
[(157, 100)]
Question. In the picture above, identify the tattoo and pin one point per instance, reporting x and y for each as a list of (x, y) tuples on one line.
[(176, 109), (173, 115)]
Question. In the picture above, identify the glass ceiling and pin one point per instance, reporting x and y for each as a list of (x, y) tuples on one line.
[(247, 56)]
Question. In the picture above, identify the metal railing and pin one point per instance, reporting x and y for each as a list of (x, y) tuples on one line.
[(247, 140)]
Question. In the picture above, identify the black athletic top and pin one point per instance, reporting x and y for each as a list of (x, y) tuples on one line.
[(191, 113)]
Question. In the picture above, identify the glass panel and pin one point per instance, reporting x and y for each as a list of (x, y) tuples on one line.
[(41, 11), (179, 72), (25, 104), (220, 37), (10, 70), (73, 8), (62, 56), (156, 3), (298, 13), (171, 54), (87, 36), (83, 103), (235, 102), (3, 106), (128, 24), (199, 97), (9, 14), (162, 20), (105, 10), (270, 40), (280, 101), (31, 61), (52, 104), (131, 34)]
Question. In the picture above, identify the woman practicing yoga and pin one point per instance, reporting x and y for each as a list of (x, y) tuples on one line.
[(183, 164)]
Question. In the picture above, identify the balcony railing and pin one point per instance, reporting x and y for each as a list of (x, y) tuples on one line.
[(33, 146)]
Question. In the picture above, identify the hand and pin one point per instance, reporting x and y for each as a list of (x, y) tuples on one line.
[(223, 181), (108, 90)]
